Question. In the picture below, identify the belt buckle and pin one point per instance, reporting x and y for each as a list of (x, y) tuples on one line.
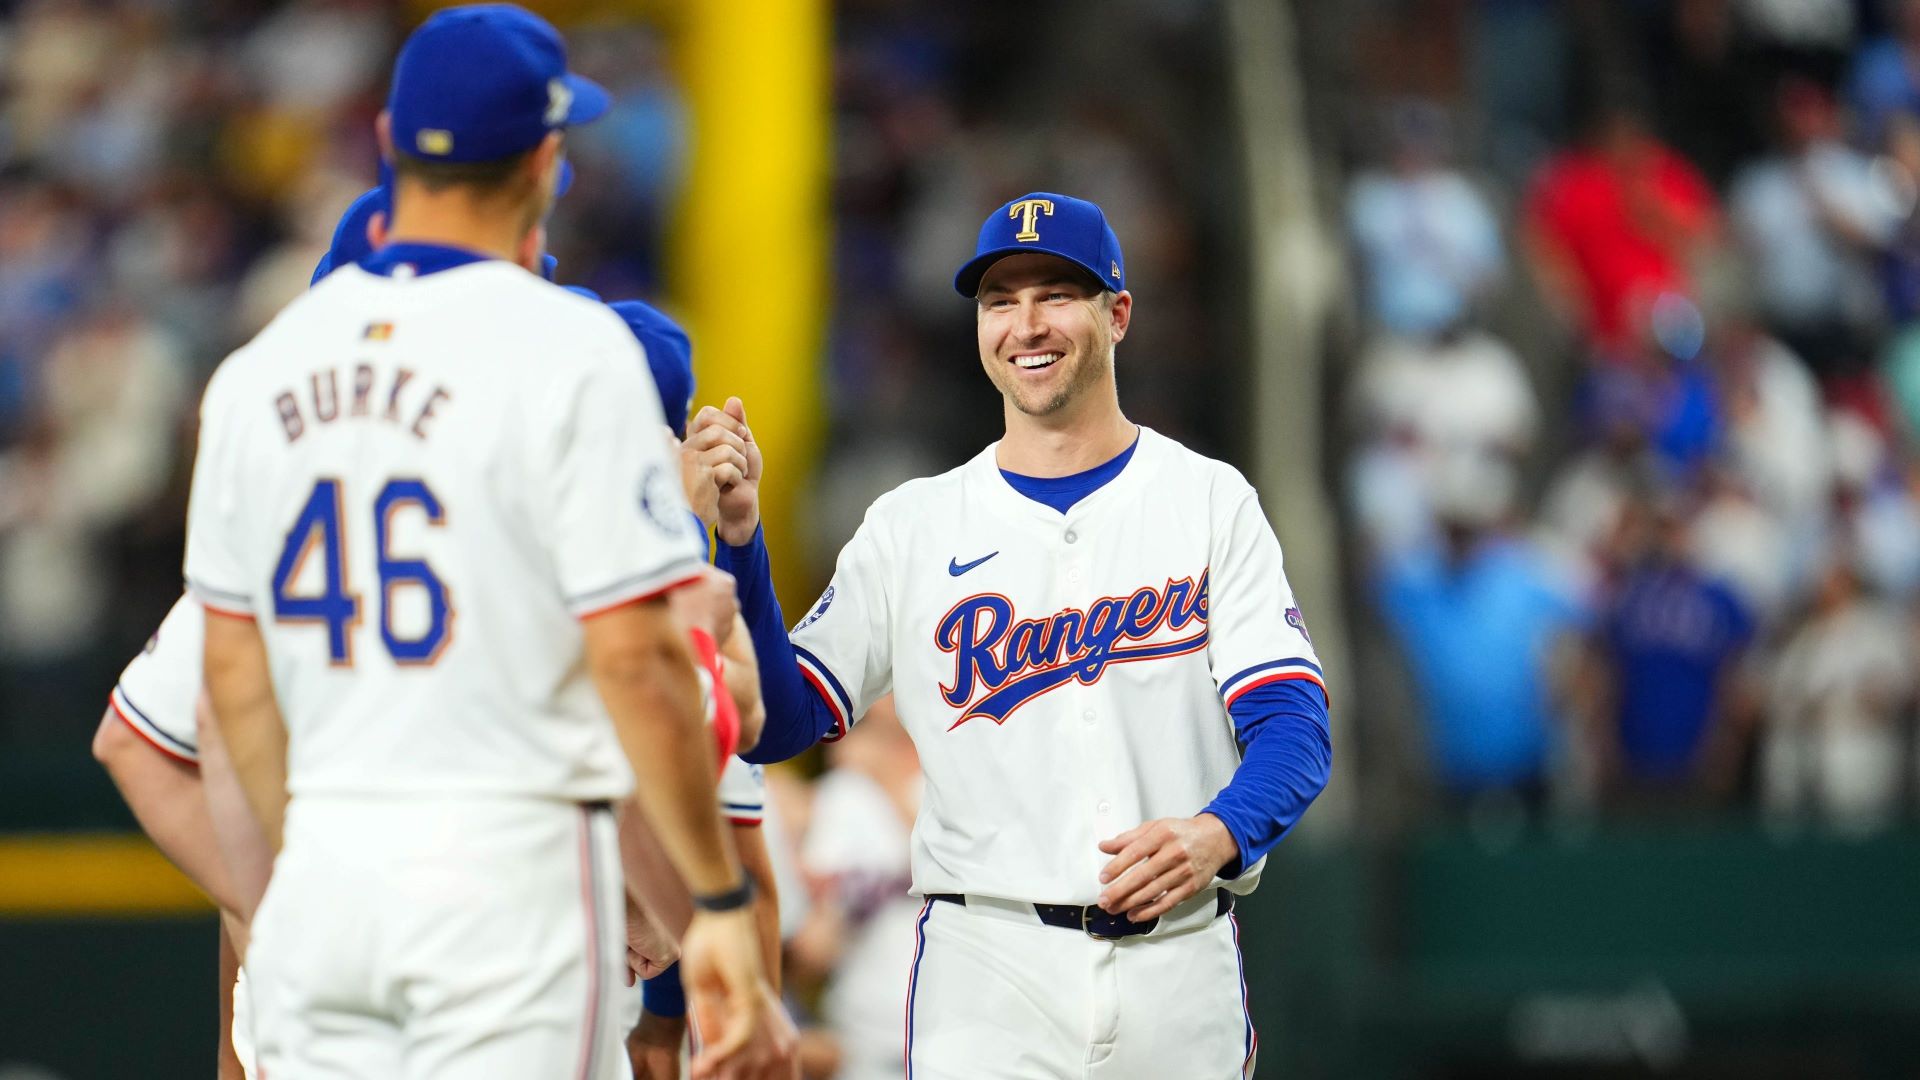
[(1086, 920)]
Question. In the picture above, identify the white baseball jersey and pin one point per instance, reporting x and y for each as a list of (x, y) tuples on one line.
[(1064, 676), (743, 792), (417, 485), (157, 691)]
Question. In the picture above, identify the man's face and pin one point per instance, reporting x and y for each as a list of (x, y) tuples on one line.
[(1046, 331)]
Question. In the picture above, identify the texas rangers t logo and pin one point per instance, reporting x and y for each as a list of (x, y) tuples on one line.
[(1028, 211), (1014, 662)]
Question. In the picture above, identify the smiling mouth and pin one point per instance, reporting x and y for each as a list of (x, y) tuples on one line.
[(1037, 361)]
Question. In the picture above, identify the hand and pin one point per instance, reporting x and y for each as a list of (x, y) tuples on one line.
[(708, 602), (650, 949), (727, 460), (1160, 863), (774, 1052), (727, 992), (653, 1047)]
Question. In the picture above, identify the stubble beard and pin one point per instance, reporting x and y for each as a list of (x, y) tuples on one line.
[(1085, 373)]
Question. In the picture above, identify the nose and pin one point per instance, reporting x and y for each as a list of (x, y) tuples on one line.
[(1030, 323)]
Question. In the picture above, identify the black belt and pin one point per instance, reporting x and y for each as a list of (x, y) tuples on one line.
[(1093, 920)]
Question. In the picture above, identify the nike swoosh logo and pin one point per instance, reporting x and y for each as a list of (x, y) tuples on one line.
[(956, 567)]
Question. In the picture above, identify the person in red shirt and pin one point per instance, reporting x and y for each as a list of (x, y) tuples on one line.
[(1615, 221)]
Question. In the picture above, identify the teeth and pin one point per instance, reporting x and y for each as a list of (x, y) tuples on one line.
[(1039, 361)]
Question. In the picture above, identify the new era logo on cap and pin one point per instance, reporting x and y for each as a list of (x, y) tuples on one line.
[(1073, 229), (484, 82)]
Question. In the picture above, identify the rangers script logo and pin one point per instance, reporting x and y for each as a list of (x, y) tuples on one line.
[(1001, 664)]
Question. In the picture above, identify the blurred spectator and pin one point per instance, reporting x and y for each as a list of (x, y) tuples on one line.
[(1428, 244), (1481, 618), (1614, 222), (114, 389), (1877, 514), (859, 935), (1899, 173), (1840, 702), (1706, 72), (1886, 71), (1670, 642), (1420, 402), (1813, 217)]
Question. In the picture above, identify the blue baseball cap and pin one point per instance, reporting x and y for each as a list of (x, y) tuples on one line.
[(669, 354), (349, 244), (669, 357), (1060, 225), (484, 82)]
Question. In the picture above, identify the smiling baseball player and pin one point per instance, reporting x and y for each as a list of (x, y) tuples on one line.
[(1089, 635)]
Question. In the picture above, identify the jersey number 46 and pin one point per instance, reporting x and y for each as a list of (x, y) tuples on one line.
[(336, 605)]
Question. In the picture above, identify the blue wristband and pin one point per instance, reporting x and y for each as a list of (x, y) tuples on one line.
[(663, 995)]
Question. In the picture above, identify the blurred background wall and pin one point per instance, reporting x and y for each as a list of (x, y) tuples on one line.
[(1574, 345)]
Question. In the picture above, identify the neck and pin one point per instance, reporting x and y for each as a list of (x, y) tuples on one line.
[(454, 220), (1089, 433)]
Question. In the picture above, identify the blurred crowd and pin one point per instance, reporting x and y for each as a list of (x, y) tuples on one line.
[(1635, 411), (169, 174), (171, 171)]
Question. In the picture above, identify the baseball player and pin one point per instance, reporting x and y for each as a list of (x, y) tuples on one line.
[(1088, 634), (430, 519)]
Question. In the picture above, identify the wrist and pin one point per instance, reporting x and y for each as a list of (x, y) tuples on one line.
[(740, 533), (738, 898), (1222, 848)]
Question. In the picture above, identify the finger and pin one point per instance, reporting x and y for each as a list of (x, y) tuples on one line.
[(738, 410), (725, 455), (1174, 895), (1142, 847), (1112, 846), (711, 417), (733, 1039), (715, 436), (1146, 883), (726, 476)]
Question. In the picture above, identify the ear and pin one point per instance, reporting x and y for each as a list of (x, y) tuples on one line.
[(1121, 315), (532, 246), (377, 230), (545, 162), (383, 131)]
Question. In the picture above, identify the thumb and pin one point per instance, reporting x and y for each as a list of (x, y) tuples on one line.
[(737, 409)]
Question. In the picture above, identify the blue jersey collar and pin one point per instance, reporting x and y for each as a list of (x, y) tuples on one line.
[(424, 259)]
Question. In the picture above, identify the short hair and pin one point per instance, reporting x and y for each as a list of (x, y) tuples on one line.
[(485, 178)]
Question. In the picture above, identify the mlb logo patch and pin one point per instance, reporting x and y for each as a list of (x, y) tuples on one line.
[(377, 331), (1298, 622)]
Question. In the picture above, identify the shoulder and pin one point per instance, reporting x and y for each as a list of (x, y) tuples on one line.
[(1179, 467), (913, 500)]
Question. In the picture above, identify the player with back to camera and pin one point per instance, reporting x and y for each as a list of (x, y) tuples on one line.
[(1089, 635), (169, 766), (431, 519)]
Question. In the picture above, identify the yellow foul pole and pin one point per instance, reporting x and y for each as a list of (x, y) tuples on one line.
[(750, 260)]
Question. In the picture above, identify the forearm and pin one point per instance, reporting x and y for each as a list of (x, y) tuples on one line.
[(247, 719), (743, 683), (242, 845), (651, 879), (796, 717), (652, 695), (757, 861), (167, 800), (1286, 760)]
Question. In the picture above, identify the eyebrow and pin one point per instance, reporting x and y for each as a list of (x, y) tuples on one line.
[(1046, 283)]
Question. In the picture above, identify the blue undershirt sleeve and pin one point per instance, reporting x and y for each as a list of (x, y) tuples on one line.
[(663, 995), (1286, 757), (796, 716)]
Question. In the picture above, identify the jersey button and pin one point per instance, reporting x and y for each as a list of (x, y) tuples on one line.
[(1087, 716), (1072, 536), (1104, 806)]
